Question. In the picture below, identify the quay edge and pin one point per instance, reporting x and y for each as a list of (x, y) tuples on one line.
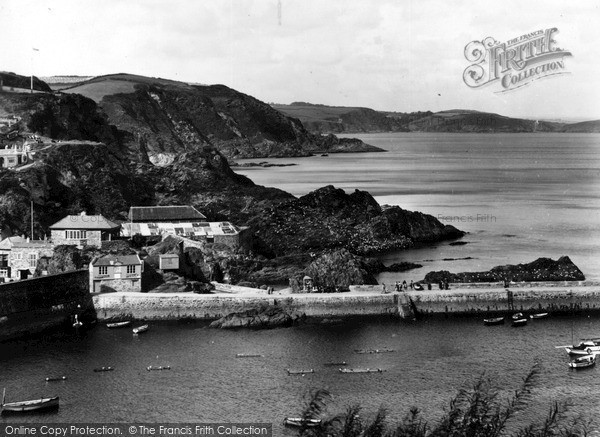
[(360, 301)]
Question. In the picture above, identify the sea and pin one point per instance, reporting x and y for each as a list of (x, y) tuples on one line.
[(519, 197)]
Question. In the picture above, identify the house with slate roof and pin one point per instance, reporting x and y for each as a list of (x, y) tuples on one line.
[(84, 230), (109, 273)]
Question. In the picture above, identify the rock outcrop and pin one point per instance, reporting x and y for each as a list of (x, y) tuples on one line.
[(542, 269), (328, 218), (264, 318)]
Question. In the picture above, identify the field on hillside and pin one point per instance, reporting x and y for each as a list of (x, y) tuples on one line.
[(313, 112)]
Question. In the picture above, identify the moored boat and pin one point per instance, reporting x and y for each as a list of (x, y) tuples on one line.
[(299, 422), (372, 351), (118, 324), (248, 355), (519, 322), (584, 348), (104, 369), (494, 321), (299, 372), (583, 362), (30, 405), (56, 378), (539, 315), (363, 370), (140, 329), (149, 368)]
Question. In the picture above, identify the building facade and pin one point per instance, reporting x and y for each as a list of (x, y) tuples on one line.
[(24, 257), (14, 155), (83, 230), (110, 273)]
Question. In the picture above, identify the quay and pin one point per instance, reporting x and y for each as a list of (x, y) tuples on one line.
[(462, 299)]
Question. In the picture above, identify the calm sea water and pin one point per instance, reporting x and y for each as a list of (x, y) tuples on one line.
[(520, 196), (432, 360)]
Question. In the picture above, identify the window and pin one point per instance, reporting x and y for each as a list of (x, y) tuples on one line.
[(103, 270), (18, 255), (3, 273), (33, 257), (75, 235), (130, 269)]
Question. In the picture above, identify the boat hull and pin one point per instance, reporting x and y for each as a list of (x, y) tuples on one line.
[(298, 422), (29, 406), (495, 321), (118, 325)]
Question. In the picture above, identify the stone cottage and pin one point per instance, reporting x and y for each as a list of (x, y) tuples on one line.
[(84, 230), (110, 273)]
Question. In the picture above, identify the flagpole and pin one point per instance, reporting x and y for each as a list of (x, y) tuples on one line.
[(33, 49)]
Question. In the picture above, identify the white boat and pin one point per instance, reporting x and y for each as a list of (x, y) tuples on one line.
[(538, 315), (584, 348), (149, 368), (299, 422), (583, 362), (299, 372), (367, 370), (140, 329), (118, 324), (31, 405)]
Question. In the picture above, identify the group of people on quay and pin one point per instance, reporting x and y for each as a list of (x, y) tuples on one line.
[(443, 285)]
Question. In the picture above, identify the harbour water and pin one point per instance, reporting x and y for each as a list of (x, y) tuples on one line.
[(520, 196), (432, 359)]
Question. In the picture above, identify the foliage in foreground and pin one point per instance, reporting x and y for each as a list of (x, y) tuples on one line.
[(475, 412)]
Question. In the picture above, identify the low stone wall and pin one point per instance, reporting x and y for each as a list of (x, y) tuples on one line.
[(157, 306), (363, 301), (542, 299), (236, 289)]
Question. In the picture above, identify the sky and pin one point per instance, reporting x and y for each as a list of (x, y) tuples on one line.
[(383, 54)]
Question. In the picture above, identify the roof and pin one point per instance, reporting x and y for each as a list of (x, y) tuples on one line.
[(84, 221), (187, 229), (164, 213), (109, 260), (168, 255), (9, 242), (42, 244)]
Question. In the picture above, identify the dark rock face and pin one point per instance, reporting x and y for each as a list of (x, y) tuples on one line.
[(328, 218), (542, 269), (336, 271), (264, 318), (10, 80), (402, 267)]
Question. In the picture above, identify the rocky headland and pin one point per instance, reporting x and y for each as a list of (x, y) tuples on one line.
[(542, 269)]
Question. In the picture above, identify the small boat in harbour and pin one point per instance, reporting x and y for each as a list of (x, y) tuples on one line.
[(299, 422), (583, 362), (150, 368), (118, 324), (104, 369), (516, 323), (299, 372), (56, 378), (539, 315), (248, 355), (373, 351), (494, 321), (27, 406), (366, 370), (583, 348), (140, 329)]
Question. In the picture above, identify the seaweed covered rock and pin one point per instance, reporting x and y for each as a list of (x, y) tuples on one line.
[(263, 318), (542, 269)]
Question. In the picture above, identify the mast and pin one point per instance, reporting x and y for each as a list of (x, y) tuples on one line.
[(32, 220)]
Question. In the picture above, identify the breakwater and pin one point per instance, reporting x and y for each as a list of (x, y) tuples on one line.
[(367, 301), (32, 305)]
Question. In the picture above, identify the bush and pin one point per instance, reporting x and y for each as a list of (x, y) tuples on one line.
[(475, 412)]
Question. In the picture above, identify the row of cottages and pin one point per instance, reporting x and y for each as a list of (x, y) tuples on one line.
[(19, 257)]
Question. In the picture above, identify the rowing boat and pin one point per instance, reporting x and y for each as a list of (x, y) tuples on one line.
[(30, 405), (118, 324)]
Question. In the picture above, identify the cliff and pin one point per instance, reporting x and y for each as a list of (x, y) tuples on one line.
[(542, 269), (12, 80), (174, 117)]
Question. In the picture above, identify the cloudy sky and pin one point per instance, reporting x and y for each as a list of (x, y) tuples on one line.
[(387, 55)]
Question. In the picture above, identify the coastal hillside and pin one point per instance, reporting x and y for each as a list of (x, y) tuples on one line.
[(341, 119), (337, 119), (173, 117)]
